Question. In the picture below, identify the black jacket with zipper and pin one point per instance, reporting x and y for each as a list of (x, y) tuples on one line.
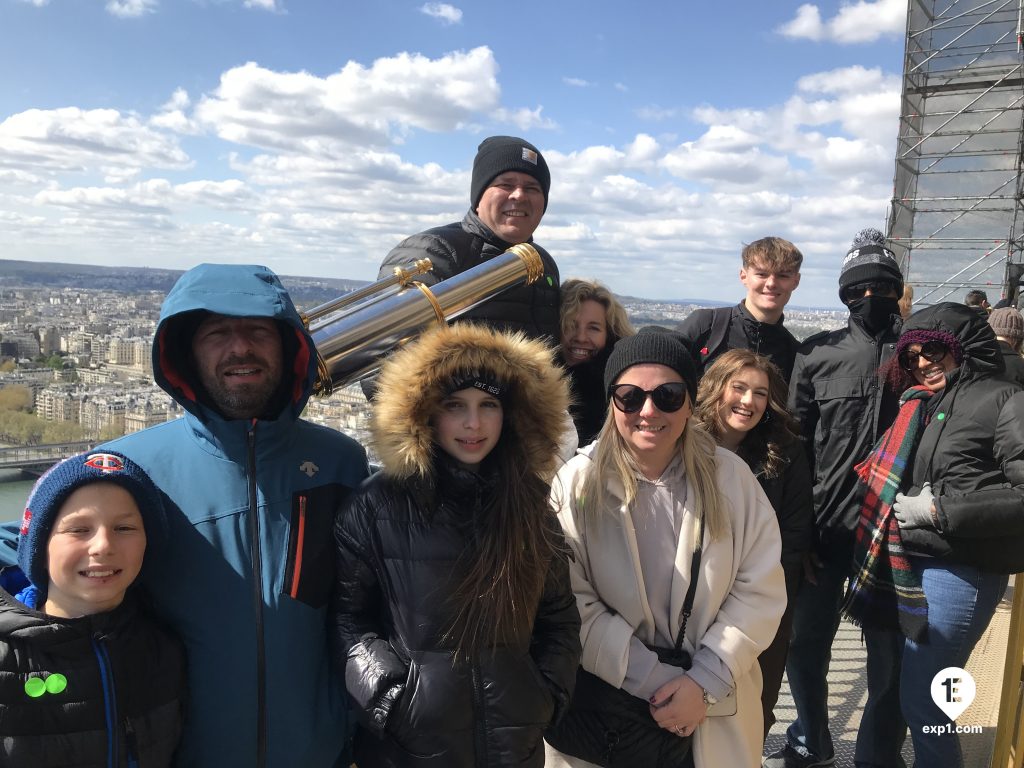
[(398, 555), (773, 340), (456, 247), (971, 452), (843, 407), (125, 684)]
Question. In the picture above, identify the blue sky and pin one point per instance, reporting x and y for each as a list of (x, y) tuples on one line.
[(313, 136)]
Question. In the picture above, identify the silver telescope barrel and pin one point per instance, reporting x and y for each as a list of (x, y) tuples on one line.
[(400, 279), (352, 345)]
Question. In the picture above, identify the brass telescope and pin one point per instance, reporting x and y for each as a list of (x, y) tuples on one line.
[(354, 333)]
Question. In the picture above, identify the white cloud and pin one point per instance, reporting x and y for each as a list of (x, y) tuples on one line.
[(656, 114), (864, 21), (576, 82), (76, 140), (361, 106), (131, 9), (449, 14), (264, 5), (525, 119), (172, 115)]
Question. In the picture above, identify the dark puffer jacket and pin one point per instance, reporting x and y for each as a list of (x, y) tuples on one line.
[(401, 544), (456, 247), (589, 401), (125, 683), (843, 407), (971, 452)]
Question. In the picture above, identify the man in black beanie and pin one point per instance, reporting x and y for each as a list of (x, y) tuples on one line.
[(844, 407), (508, 196)]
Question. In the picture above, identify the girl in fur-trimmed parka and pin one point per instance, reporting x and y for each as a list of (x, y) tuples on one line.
[(453, 617)]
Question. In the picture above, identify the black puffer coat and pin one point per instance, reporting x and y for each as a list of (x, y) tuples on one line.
[(843, 407), (971, 452), (456, 247), (123, 702), (401, 540), (589, 402)]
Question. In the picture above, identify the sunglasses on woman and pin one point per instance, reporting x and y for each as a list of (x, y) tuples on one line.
[(932, 351), (667, 398)]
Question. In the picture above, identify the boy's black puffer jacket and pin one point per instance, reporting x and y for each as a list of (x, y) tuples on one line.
[(123, 699)]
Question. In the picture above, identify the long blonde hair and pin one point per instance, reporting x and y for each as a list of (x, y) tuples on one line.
[(612, 458)]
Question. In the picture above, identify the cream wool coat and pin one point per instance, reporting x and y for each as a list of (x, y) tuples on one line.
[(736, 610)]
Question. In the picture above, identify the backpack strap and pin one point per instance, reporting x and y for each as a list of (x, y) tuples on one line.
[(720, 317)]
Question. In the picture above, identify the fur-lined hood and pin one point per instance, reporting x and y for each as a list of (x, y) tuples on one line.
[(413, 381)]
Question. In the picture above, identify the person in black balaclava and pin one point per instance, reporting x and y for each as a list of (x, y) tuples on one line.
[(844, 407)]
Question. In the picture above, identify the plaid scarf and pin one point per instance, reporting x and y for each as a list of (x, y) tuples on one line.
[(885, 593)]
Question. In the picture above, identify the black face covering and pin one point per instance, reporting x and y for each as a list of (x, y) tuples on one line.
[(875, 312)]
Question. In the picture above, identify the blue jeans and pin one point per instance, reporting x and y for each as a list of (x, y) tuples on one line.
[(815, 622), (961, 601)]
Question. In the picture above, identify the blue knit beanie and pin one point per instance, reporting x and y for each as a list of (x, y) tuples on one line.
[(63, 479)]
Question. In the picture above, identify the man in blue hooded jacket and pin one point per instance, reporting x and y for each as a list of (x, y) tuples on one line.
[(246, 576)]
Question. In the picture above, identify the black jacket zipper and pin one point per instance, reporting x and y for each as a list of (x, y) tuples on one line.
[(109, 700), (257, 593)]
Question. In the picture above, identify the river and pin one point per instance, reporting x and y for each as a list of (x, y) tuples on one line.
[(14, 488)]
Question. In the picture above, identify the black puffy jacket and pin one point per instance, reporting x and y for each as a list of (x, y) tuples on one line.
[(971, 452), (123, 700), (401, 543), (589, 402), (773, 340), (839, 398), (459, 246)]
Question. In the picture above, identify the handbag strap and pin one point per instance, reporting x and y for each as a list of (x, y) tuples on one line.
[(692, 589)]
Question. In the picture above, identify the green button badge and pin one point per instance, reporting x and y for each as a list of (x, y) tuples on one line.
[(37, 686)]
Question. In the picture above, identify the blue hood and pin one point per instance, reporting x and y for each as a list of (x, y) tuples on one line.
[(235, 290)]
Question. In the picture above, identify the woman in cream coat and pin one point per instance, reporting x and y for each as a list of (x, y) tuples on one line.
[(649, 474)]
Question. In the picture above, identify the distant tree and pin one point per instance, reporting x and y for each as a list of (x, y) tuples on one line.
[(7, 365), (110, 433), (54, 361), (16, 398)]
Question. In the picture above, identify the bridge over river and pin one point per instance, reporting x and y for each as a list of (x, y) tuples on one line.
[(39, 458)]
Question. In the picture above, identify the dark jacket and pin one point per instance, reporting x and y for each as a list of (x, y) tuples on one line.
[(971, 452), (790, 495), (1013, 363), (124, 693), (589, 401), (843, 407), (459, 246), (246, 573), (773, 340), (402, 542)]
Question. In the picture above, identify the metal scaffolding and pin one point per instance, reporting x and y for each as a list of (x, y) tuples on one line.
[(956, 217)]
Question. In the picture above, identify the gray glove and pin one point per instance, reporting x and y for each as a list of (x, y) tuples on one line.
[(915, 511)]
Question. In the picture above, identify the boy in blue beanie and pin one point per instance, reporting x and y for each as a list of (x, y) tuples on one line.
[(86, 677)]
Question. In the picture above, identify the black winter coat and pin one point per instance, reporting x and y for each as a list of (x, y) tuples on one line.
[(589, 402), (397, 562), (456, 247), (971, 452), (124, 695), (843, 407), (773, 340), (790, 495), (1014, 364)]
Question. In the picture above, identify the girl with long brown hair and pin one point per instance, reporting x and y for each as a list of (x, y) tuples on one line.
[(453, 617), (741, 402)]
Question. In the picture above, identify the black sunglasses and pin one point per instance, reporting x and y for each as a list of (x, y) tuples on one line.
[(855, 292), (932, 351), (667, 398)]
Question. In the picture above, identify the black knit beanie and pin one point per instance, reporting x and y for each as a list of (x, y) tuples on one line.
[(499, 154), (652, 344), (869, 261)]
